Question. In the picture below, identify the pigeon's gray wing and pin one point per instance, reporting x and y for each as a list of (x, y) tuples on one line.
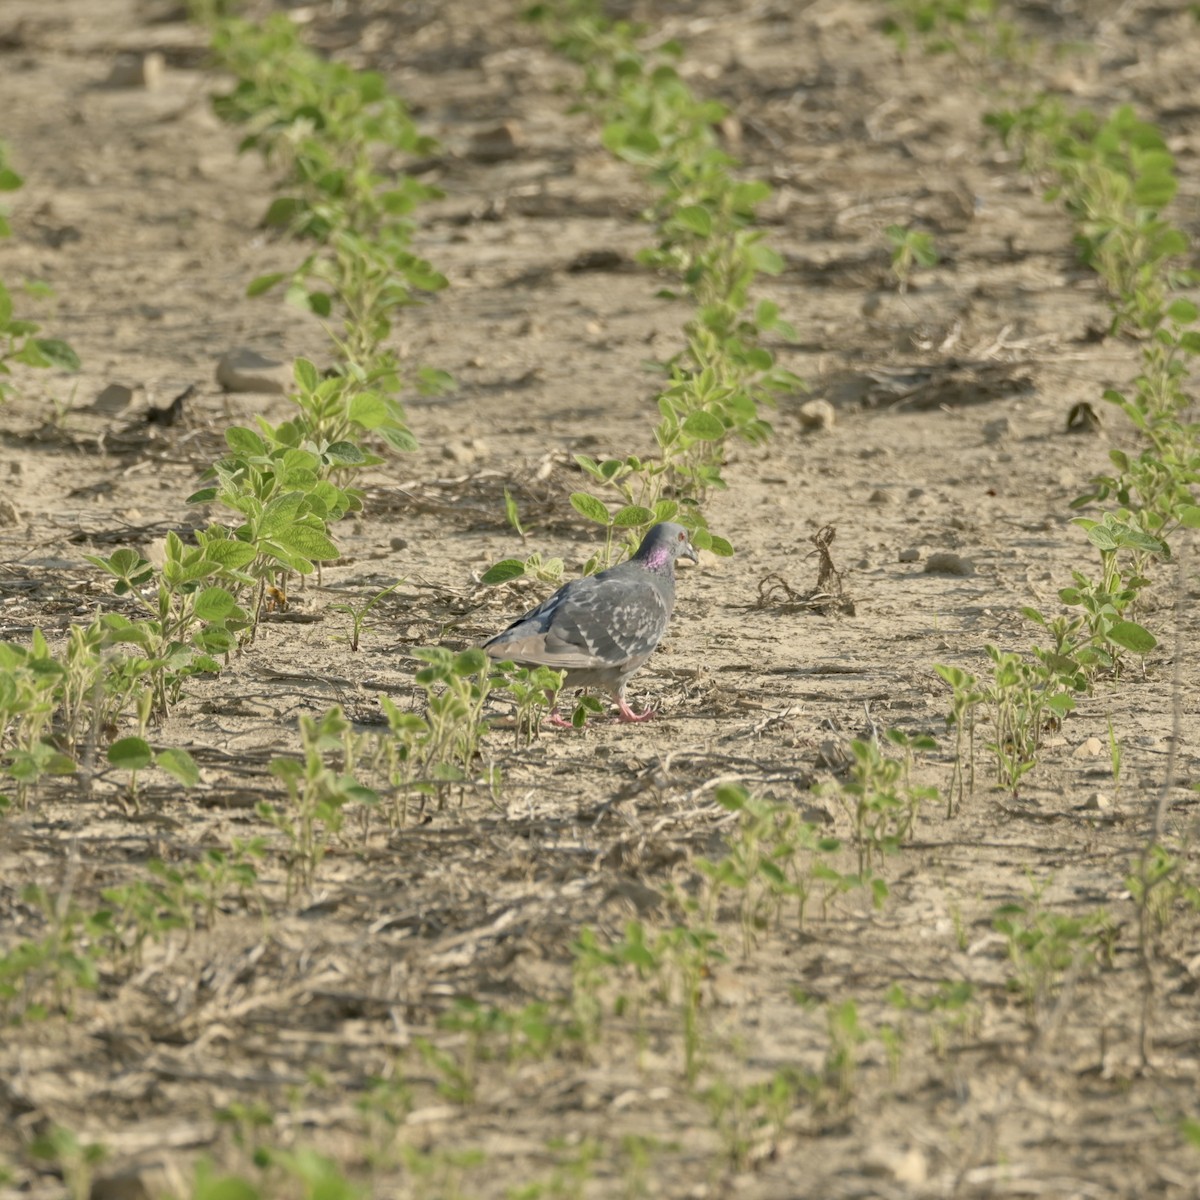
[(609, 621)]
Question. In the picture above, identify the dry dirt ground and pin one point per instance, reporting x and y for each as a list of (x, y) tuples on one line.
[(141, 215)]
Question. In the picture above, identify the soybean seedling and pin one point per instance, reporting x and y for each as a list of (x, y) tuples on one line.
[(358, 615)]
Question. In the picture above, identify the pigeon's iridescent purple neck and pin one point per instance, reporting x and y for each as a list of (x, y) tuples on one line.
[(658, 558)]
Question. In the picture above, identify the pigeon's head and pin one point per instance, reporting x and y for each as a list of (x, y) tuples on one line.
[(665, 542)]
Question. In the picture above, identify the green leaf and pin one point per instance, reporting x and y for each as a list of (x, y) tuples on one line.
[(281, 513), (503, 571), (320, 303), (130, 754), (766, 314), (704, 426), (310, 542), (369, 409), (749, 195), (214, 603), (766, 260), (720, 547), (344, 454), (399, 438), (1189, 516), (632, 516), (470, 662), (1182, 312), (9, 180), (283, 211), (590, 507), (264, 283), (6, 308), (58, 353), (1132, 636), (180, 764), (229, 553), (696, 218), (244, 441), (1154, 190), (306, 375)]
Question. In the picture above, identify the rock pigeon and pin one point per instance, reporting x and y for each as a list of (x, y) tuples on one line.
[(602, 628)]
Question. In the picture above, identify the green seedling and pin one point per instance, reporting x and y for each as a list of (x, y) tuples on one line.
[(966, 698), (317, 793), (882, 801), (76, 1161), (911, 248), (1046, 948), (751, 1119), (1025, 697), (846, 1035), (63, 959), (535, 690), (134, 754), (358, 613), (18, 340), (772, 859)]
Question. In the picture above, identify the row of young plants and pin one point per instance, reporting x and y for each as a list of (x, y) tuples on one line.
[(1114, 176), (718, 387), (283, 485)]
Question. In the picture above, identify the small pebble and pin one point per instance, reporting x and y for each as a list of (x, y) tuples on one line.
[(910, 554), (879, 496), (113, 399), (945, 563), (245, 370), (138, 70), (496, 144), (997, 430), (1092, 748), (1097, 802), (465, 452), (816, 415), (398, 543)]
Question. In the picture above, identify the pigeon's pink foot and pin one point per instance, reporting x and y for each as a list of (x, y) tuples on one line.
[(625, 713), (558, 722)]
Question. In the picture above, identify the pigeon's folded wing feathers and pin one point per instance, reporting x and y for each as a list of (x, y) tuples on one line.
[(593, 622)]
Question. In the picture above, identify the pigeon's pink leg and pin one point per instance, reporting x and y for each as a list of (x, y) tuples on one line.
[(558, 722), (627, 714)]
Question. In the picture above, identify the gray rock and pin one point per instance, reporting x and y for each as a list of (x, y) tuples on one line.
[(910, 554), (115, 398), (602, 628), (245, 370)]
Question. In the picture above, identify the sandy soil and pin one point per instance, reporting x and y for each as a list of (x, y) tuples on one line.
[(140, 214)]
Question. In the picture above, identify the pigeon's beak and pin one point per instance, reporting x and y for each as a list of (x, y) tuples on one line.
[(689, 551)]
